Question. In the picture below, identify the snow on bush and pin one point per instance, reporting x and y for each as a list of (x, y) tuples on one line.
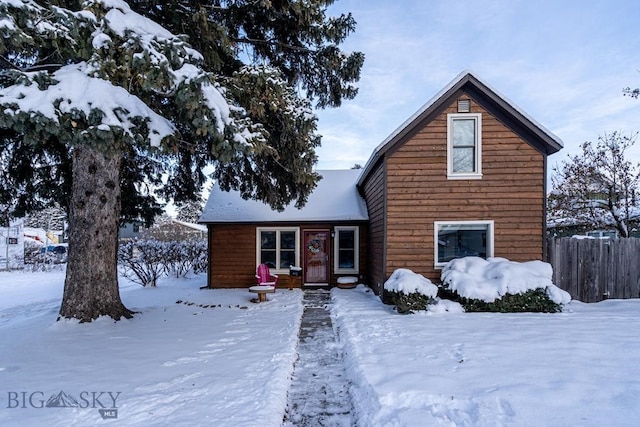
[(144, 261), (406, 281), (491, 279), (409, 291)]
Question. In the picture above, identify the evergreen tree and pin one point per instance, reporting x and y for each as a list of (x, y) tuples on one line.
[(300, 44), (101, 102)]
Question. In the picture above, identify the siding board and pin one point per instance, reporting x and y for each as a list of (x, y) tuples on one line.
[(374, 194)]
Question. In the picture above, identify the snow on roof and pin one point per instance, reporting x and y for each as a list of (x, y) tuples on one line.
[(191, 225), (335, 198)]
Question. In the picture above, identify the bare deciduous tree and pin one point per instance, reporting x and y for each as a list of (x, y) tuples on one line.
[(599, 185)]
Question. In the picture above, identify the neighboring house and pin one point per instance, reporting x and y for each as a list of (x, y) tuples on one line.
[(465, 175), (44, 237), (190, 229), (171, 230), (129, 230), (569, 227)]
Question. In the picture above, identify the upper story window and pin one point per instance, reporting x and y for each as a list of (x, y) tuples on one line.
[(346, 254), (464, 146), (278, 247)]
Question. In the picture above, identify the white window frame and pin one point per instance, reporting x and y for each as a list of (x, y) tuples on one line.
[(356, 250), (490, 237), (278, 230), (478, 152)]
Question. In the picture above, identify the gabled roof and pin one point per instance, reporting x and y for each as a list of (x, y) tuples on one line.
[(510, 114), (335, 198)]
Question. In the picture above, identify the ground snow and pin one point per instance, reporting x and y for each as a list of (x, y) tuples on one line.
[(580, 367), (174, 364), (210, 361)]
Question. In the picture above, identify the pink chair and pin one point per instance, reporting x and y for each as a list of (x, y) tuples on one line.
[(264, 276)]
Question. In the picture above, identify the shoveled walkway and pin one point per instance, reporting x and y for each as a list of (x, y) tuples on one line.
[(319, 394)]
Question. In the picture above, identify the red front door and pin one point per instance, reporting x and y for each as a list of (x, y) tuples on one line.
[(316, 256)]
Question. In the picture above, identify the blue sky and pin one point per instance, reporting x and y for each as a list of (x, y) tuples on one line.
[(564, 63)]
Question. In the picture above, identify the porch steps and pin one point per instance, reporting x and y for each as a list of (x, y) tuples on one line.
[(312, 286)]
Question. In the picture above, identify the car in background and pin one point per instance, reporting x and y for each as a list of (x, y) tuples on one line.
[(56, 253)]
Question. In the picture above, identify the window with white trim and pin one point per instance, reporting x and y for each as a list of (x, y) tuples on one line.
[(464, 146), (279, 248), (346, 250), (458, 239)]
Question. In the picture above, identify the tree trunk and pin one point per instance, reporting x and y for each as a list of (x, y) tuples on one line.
[(91, 284)]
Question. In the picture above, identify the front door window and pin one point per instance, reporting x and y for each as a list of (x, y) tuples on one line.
[(316, 249)]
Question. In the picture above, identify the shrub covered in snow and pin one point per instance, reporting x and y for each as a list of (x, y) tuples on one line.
[(409, 291), (497, 284), (185, 257), (144, 261)]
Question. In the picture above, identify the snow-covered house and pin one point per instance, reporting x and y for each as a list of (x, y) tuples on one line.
[(327, 237), (465, 175)]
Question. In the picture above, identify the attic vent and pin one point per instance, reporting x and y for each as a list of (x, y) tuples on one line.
[(464, 105)]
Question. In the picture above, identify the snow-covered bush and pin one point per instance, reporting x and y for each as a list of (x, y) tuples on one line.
[(144, 261), (497, 284), (185, 257), (409, 291)]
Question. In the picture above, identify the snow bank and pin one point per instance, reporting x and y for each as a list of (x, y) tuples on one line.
[(408, 282), (490, 279)]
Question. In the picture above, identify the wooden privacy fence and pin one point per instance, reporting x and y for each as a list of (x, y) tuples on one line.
[(592, 270)]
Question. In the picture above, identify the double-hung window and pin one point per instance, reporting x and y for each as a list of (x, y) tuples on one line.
[(346, 254), (458, 239), (278, 247), (464, 146)]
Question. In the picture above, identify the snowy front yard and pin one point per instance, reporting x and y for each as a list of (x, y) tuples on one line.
[(576, 368), (224, 361), (173, 364)]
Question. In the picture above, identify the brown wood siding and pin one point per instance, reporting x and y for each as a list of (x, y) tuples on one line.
[(232, 261), (374, 194), (232, 252), (511, 193)]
